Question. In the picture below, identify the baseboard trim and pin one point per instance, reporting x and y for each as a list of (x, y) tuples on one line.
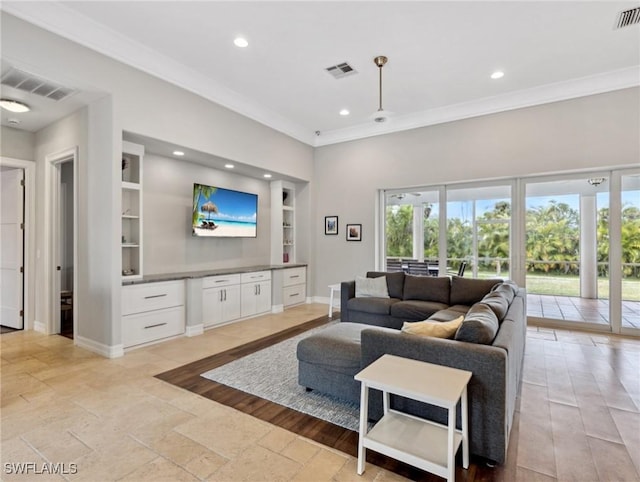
[(322, 300), (194, 330), (277, 309), (108, 351), (39, 327)]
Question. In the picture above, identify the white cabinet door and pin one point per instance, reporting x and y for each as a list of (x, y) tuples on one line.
[(212, 306), (231, 303), (220, 305), (263, 300), (256, 298)]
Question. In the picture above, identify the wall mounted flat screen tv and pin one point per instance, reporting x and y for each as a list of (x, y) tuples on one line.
[(224, 213)]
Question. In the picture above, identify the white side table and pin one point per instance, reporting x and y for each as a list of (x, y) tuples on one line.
[(332, 289), (422, 443)]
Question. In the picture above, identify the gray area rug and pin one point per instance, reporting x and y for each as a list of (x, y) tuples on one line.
[(272, 374)]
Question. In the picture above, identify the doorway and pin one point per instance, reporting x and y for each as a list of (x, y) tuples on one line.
[(63, 247), (65, 235), (12, 253)]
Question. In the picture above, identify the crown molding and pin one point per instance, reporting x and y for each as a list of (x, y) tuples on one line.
[(68, 23), (545, 94)]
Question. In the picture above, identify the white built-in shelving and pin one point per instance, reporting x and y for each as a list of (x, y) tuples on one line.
[(283, 228), (131, 189)]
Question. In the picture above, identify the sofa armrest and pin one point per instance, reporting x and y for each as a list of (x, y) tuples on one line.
[(487, 389), (347, 291)]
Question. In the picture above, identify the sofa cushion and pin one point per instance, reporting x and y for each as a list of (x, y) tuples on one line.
[(467, 291), (395, 282), (377, 306), (371, 287), (507, 289), (497, 301), (415, 310), (437, 329), (480, 325), (427, 288), (448, 314)]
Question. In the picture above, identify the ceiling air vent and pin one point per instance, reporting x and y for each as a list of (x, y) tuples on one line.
[(341, 70), (628, 17), (30, 83)]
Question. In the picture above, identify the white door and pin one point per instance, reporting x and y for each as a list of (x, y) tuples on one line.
[(11, 247)]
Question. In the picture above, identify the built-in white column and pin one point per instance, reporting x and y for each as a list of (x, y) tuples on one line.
[(588, 247)]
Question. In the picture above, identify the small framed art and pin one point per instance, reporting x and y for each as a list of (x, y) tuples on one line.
[(354, 232), (331, 225)]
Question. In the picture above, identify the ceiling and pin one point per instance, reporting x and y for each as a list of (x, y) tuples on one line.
[(441, 55)]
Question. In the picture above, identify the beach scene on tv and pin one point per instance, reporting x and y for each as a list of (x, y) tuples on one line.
[(224, 213)]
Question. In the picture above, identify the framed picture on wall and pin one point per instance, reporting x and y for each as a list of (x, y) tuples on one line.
[(331, 225), (354, 232)]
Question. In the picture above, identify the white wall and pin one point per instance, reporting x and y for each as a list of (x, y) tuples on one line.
[(586, 133), (17, 144), (167, 207)]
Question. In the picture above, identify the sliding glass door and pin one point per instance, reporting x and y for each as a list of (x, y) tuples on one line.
[(573, 241), (412, 229), (630, 252), (567, 249), (479, 231)]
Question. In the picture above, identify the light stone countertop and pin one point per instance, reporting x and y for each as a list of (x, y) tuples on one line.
[(153, 278)]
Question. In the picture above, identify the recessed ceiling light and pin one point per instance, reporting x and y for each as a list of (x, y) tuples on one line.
[(344, 112), (178, 153), (241, 42), (498, 74), (268, 176), (229, 166), (14, 105)]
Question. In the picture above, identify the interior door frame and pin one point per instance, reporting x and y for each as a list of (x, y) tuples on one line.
[(53, 163), (28, 279)]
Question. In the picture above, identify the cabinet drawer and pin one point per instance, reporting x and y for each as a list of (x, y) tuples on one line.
[(151, 326), (222, 280), (294, 276), (256, 276), (293, 295), (152, 296)]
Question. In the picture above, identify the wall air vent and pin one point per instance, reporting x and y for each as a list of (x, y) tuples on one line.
[(341, 70), (35, 85), (628, 17)]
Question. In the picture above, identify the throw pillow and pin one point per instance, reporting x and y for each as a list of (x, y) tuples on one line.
[(371, 287), (438, 329)]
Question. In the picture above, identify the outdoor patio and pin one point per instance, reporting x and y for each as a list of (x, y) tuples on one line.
[(570, 308)]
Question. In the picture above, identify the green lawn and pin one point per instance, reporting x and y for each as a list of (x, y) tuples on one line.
[(569, 285)]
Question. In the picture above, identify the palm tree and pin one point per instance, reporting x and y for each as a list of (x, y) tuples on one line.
[(200, 191)]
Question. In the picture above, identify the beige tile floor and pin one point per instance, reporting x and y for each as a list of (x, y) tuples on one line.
[(578, 420)]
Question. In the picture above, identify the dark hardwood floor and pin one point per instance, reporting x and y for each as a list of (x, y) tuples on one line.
[(188, 377)]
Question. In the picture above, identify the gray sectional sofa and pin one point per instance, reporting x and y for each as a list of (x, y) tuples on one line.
[(490, 343)]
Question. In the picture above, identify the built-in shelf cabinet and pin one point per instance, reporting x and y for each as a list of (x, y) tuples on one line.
[(131, 190), (283, 198)]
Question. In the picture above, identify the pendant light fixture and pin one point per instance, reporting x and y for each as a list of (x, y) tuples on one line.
[(381, 115)]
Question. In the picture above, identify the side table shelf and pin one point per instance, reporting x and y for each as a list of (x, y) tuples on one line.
[(422, 443)]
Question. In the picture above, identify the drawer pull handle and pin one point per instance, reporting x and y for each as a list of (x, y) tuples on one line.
[(222, 281), (154, 326), (294, 294), (294, 276), (154, 296)]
